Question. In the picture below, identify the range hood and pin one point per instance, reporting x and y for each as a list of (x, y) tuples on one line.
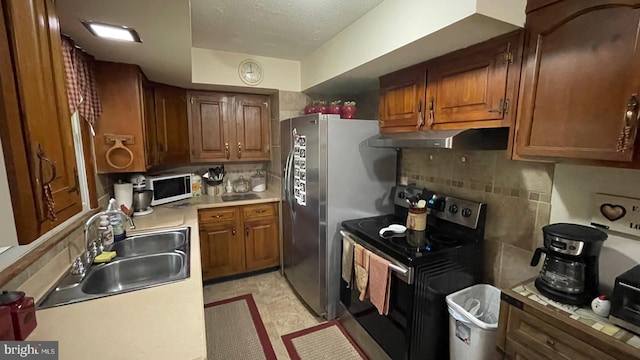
[(460, 139)]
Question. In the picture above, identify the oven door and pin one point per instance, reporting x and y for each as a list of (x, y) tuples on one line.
[(393, 331)]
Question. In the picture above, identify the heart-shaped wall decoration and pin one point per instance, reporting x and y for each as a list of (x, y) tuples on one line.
[(613, 212)]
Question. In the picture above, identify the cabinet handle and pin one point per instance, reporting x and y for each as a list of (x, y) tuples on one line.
[(233, 231), (431, 113), (550, 342), (216, 216), (261, 211), (246, 230), (420, 116), (45, 195), (239, 150), (226, 150), (627, 134)]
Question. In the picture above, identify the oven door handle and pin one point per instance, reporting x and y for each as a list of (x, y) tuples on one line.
[(405, 274)]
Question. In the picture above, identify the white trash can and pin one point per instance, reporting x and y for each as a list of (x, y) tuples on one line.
[(473, 321)]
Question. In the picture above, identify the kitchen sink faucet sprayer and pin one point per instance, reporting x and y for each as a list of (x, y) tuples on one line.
[(94, 248)]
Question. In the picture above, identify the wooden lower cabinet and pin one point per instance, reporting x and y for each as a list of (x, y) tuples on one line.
[(529, 330), (227, 250), (261, 243), (221, 249)]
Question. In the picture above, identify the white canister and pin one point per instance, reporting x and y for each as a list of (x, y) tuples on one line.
[(196, 185)]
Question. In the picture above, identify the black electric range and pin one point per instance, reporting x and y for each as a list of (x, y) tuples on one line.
[(426, 266)]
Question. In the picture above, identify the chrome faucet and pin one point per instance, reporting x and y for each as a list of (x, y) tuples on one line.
[(95, 247)]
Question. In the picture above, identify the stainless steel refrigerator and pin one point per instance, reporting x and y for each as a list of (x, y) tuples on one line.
[(329, 175)]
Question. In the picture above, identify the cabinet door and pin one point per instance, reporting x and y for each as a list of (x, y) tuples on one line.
[(122, 97), (580, 87), (210, 128), (516, 351), (261, 243), (470, 85), (252, 128), (45, 129), (402, 95), (221, 250), (172, 126), (151, 141)]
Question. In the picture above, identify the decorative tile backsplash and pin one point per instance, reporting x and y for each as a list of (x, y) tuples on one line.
[(517, 194)]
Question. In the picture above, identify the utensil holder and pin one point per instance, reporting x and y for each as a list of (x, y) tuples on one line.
[(417, 219)]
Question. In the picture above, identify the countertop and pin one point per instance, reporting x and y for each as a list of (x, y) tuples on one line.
[(585, 324), (163, 322)]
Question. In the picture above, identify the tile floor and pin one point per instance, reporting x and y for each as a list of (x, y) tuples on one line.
[(280, 309)]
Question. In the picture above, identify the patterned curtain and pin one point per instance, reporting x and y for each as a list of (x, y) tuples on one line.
[(81, 82)]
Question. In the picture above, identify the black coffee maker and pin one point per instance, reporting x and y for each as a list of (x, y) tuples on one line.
[(570, 271)]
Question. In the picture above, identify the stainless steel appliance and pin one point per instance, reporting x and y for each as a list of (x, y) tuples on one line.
[(570, 270), (625, 302), (330, 174), (426, 267)]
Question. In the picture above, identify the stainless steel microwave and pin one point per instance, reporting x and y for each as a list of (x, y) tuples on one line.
[(168, 188), (625, 302)]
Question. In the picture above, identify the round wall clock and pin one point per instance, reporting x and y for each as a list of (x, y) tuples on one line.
[(250, 72)]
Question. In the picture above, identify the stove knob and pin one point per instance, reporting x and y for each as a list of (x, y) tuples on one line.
[(466, 212), (453, 209)]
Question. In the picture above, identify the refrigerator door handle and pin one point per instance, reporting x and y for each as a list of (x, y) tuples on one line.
[(290, 181)]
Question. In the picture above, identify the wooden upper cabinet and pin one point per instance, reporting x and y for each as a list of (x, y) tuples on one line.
[(171, 123), (150, 139), (37, 138), (121, 92), (252, 127), (210, 126), (474, 87), (402, 99), (580, 84), (229, 127)]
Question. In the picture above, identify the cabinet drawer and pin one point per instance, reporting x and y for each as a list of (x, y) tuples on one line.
[(216, 215), (547, 339), (259, 210)]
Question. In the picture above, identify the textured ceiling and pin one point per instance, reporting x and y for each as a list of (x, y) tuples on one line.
[(287, 29), (165, 52)]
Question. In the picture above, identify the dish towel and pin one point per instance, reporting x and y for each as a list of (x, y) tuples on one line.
[(379, 283), (361, 256), (347, 260)]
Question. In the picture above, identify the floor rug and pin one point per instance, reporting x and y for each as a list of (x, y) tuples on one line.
[(325, 341), (236, 331)]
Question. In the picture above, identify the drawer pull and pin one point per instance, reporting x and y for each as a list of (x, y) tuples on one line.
[(233, 231), (216, 216), (261, 211), (550, 342)]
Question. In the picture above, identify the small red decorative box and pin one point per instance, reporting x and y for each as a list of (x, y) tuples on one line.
[(6, 324), (23, 312)]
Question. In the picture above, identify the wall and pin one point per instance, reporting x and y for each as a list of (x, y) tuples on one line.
[(394, 24), (221, 68), (7, 224), (517, 194), (572, 201)]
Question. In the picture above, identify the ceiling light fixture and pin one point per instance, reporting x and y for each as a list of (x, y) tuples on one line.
[(112, 32)]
